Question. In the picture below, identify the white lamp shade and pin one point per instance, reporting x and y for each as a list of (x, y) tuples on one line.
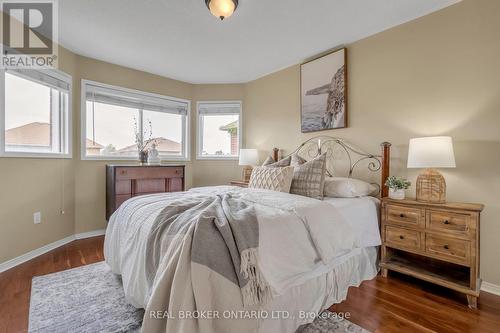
[(431, 152), (249, 157)]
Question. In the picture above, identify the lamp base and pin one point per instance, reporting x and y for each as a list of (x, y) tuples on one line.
[(431, 187), (247, 172)]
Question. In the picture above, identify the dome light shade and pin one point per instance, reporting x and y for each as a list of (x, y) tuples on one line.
[(222, 8)]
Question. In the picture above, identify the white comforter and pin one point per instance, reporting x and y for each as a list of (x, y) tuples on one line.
[(299, 239)]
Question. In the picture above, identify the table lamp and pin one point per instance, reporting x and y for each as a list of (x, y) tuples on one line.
[(248, 158), (430, 153)]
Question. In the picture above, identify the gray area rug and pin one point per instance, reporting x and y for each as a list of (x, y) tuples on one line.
[(86, 299), (90, 299)]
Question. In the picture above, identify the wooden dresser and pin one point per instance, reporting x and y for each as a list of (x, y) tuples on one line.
[(438, 243), (126, 181)]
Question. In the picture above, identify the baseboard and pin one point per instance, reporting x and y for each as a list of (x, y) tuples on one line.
[(89, 234), (46, 248), (490, 288)]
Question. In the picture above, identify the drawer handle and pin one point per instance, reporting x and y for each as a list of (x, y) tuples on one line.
[(446, 222), (401, 215), (401, 237), (446, 247)]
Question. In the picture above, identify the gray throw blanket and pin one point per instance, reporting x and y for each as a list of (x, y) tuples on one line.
[(225, 239)]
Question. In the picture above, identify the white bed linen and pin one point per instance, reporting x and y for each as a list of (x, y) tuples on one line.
[(309, 243), (362, 214), (311, 234), (319, 293), (325, 281)]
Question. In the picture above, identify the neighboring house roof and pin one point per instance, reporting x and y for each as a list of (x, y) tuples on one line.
[(162, 145), (233, 126), (93, 145), (36, 133)]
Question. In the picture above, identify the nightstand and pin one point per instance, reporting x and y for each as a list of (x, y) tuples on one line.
[(438, 243), (239, 183)]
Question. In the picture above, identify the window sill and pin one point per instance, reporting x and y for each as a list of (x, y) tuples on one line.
[(216, 158), (35, 155), (132, 159)]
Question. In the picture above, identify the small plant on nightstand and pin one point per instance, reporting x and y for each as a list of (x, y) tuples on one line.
[(397, 187)]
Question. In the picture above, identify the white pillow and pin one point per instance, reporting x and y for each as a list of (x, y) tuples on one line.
[(341, 187)]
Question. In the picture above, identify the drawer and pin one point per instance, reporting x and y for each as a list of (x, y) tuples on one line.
[(149, 185), (450, 249), (175, 185), (405, 215), (458, 224), (148, 172), (121, 199), (123, 187), (403, 238)]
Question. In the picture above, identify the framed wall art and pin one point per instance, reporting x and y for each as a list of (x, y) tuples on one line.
[(323, 85)]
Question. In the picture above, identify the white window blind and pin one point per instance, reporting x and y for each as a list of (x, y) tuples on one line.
[(45, 78), (135, 100), (205, 108)]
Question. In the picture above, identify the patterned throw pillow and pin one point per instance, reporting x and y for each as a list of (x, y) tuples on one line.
[(309, 178), (269, 162), (275, 179), (297, 160)]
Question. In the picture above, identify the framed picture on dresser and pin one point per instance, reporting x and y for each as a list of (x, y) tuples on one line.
[(323, 85)]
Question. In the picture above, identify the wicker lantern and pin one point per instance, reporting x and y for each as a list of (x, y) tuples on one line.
[(430, 153)]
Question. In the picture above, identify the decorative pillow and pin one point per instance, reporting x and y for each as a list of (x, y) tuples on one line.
[(269, 162), (309, 178), (275, 178), (340, 187), (297, 160)]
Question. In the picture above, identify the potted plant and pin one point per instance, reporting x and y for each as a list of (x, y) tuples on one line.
[(397, 187)]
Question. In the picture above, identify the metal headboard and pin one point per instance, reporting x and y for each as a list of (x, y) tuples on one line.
[(344, 156)]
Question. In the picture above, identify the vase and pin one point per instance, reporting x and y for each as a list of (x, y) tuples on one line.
[(153, 156), (396, 194)]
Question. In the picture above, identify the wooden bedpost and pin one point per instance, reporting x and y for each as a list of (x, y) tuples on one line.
[(275, 154), (386, 166)]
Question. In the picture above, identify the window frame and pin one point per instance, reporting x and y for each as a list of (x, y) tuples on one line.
[(130, 92), (65, 121), (199, 131)]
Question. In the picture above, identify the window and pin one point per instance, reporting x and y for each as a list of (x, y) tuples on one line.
[(36, 113), (116, 120), (219, 130)]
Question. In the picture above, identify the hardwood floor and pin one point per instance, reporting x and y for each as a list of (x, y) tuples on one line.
[(15, 284), (396, 304)]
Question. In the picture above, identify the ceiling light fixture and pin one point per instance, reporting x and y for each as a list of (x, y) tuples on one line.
[(222, 8)]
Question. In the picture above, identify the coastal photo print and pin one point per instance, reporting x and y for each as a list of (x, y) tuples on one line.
[(324, 92)]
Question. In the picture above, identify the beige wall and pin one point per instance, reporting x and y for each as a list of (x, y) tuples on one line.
[(30, 185), (438, 75)]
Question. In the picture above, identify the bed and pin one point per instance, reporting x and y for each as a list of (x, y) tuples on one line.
[(227, 259)]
